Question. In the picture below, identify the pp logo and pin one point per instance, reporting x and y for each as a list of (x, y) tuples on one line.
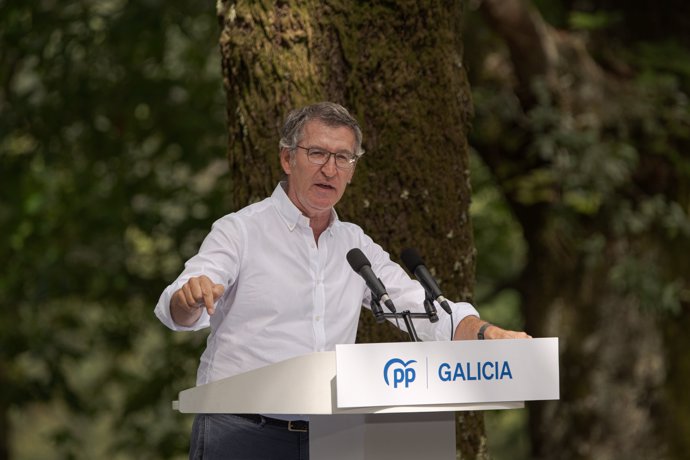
[(400, 372)]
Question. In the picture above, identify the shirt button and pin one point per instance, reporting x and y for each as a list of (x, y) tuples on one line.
[(318, 317)]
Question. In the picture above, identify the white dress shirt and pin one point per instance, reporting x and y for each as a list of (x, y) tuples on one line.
[(285, 295)]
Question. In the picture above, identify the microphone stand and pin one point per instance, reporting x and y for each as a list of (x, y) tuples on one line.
[(407, 315)]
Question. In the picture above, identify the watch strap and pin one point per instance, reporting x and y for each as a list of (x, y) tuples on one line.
[(480, 334)]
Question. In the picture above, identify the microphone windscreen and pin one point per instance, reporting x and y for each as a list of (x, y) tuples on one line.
[(411, 259), (357, 259)]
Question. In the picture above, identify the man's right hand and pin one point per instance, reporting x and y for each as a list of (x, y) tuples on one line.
[(187, 302)]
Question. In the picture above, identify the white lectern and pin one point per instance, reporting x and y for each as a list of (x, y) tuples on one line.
[(389, 400)]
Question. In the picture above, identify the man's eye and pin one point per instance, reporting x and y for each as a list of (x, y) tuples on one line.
[(343, 158), (317, 153)]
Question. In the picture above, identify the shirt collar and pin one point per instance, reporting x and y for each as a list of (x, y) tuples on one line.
[(290, 214)]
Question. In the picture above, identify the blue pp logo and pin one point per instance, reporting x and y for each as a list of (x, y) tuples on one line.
[(400, 372)]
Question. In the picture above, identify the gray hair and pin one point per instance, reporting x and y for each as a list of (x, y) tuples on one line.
[(329, 113)]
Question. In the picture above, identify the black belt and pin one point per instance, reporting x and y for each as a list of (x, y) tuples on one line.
[(290, 425)]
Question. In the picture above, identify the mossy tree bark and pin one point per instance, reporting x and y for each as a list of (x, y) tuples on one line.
[(398, 67)]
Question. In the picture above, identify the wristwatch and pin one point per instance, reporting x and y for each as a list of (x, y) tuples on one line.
[(480, 334)]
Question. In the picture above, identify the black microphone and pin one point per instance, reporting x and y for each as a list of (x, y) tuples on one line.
[(360, 264), (415, 264)]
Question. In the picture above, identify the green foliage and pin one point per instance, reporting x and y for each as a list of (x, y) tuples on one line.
[(500, 245), (614, 171), (508, 439), (667, 59), (580, 20), (112, 160)]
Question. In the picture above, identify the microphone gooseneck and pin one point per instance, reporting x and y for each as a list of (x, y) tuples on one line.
[(415, 265)]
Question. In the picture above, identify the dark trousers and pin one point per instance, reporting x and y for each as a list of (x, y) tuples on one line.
[(226, 436)]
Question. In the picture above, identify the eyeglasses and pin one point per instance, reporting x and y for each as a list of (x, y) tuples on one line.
[(319, 156)]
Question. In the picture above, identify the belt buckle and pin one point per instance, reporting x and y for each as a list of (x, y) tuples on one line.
[(295, 427)]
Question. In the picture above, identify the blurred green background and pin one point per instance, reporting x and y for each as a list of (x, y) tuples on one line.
[(113, 166), (112, 156)]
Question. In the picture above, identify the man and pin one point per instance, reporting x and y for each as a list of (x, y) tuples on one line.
[(272, 282)]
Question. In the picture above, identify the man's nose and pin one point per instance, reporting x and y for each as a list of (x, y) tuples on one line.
[(329, 168)]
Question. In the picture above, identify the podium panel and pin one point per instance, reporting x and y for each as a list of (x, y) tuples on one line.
[(388, 401), (418, 373)]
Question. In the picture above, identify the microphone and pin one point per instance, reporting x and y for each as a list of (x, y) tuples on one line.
[(360, 264), (415, 264)]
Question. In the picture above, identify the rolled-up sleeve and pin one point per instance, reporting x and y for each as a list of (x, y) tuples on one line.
[(218, 258)]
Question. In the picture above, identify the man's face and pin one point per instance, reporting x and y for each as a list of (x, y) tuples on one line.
[(313, 188)]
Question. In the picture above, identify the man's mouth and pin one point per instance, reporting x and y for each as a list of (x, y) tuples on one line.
[(325, 186)]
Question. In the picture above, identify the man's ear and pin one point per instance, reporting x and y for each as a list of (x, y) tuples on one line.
[(285, 160), (352, 174)]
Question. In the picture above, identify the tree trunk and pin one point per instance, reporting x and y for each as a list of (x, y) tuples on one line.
[(398, 67)]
